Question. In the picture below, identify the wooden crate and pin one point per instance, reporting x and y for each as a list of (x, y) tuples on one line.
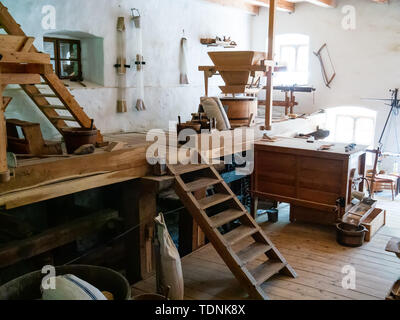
[(375, 221)]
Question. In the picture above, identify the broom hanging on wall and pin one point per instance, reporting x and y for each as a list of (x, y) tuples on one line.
[(136, 17), (183, 66)]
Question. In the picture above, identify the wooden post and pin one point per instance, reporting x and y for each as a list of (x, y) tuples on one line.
[(128, 208), (269, 86), (4, 172)]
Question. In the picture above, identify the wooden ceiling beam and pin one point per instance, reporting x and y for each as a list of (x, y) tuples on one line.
[(239, 4), (321, 3), (281, 5)]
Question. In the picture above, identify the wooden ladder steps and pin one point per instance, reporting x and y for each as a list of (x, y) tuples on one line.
[(65, 118), (52, 106), (201, 184), (266, 270), (213, 200), (45, 95), (239, 233), (183, 169), (253, 251), (226, 216), (207, 176)]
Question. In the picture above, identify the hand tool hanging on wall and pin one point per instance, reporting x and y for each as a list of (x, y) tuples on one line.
[(121, 65), (137, 19), (328, 70), (183, 65)]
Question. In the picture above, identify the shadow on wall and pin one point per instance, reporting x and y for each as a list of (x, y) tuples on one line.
[(92, 53)]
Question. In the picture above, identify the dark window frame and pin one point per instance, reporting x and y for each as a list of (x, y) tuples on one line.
[(57, 56)]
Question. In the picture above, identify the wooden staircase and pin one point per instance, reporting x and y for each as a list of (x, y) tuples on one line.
[(70, 109), (220, 208)]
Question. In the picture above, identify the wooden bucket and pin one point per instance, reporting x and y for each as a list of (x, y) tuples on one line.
[(239, 110), (77, 137)]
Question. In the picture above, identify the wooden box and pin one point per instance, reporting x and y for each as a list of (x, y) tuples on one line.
[(296, 172), (375, 221)]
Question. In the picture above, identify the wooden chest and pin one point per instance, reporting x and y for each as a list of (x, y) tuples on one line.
[(312, 181)]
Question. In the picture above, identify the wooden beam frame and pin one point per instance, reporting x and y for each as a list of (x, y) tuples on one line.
[(281, 5), (32, 68), (7, 56), (320, 3), (20, 78), (269, 86), (239, 4)]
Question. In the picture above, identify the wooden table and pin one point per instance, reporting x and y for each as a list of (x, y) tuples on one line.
[(293, 171)]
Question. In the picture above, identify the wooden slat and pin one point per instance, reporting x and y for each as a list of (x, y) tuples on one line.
[(201, 183), (19, 78), (65, 118), (214, 200), (267, 270), (224, 217), (23, 57), (253, 251), (35, 68), (182, 169), (239, 233), (45, 95), (52, 106)]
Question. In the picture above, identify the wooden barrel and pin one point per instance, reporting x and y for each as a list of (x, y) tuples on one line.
[(239, 110)]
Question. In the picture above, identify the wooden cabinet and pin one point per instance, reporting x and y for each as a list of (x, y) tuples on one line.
[(312, 181)]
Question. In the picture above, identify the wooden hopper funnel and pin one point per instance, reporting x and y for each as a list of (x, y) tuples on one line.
[(235, 68)]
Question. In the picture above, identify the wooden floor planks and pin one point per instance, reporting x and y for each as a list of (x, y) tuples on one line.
[(314, 254)]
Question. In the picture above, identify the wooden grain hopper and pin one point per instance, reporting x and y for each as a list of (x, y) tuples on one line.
[(240, 70), (237, 81)]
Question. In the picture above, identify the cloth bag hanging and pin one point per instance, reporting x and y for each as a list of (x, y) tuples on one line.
[(183, 65), (169, 275)]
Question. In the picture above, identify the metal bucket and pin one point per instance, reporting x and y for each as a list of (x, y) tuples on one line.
[(27, 287), (350, 236)]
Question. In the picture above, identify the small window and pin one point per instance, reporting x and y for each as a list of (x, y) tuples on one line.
[(65, 55), (292, 51)]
